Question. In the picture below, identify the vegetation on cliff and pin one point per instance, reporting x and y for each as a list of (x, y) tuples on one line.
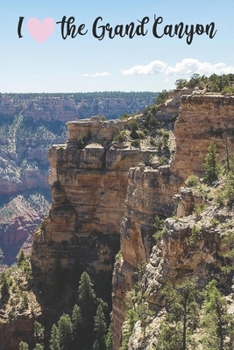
[(214, 83), (194, 310)]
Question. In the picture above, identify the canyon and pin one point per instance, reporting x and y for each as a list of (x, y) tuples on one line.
[(107, 192), (111, 188), (29, 125)]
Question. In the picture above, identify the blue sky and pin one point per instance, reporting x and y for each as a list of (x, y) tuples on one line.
[(87, 64)]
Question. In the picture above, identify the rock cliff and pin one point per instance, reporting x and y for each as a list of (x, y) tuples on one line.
[(29, 125), (202, 118), (89, 185), (106, 193)]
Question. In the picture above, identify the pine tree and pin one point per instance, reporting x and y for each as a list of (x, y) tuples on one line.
[(38, 330), (23, 346), (77, 326), (181, 317), (4, 288), (96, 345), (109, 339), (87, 297), (65, 332), (39, 347), (218, 323), (54, 338), (86, 291), (210, 166), (136, 309), (169, 338), (100, 327), (21, 258), (87, 301)]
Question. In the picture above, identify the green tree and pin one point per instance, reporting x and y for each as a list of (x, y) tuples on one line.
[(54, 338), (136, 309), (39, 347), (38, 330), (210, 165), (169, 338), (21, 258), (109, 339), (134, 127), (88, 305), (96, 345), (23, 346), (87, 297), (100, 327), (180, 83), (182, 316), (77, 324), (217, 323), (5, 293), (162, 97), (65, 332), (194, 80)]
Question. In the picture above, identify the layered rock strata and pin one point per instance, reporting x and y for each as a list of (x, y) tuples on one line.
[(148, 194), (92, 184), (202, 118), (89, 186)]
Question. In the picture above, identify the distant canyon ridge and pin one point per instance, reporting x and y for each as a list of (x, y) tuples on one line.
[(29, 125)]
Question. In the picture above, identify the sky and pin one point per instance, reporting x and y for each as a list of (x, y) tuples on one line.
[(95, 62)]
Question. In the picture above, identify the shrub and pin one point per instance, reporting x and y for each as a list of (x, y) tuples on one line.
[(133, 125), (160, 144), (163, 133), (192, 181), (199, 208), (136, 143), (214, 222), (120, 137), (141, 134), (154, 122), (163, 160), (195, 235), (80, 142), (162, 97), (152, 141)]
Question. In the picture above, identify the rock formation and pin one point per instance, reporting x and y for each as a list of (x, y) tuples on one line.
[(110, 188), (89, 186), (201, 119), (106, 195), (29, 125)]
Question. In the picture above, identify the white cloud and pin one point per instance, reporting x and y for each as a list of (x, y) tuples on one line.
[(187, 66), (154, 67), (102, 74)]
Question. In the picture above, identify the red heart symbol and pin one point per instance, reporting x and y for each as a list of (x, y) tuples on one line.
[(41, 31)]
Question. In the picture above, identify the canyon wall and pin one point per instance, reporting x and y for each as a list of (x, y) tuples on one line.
[(101, 188), (72, 106), (202, 118), (29, 125), (89, 186)]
